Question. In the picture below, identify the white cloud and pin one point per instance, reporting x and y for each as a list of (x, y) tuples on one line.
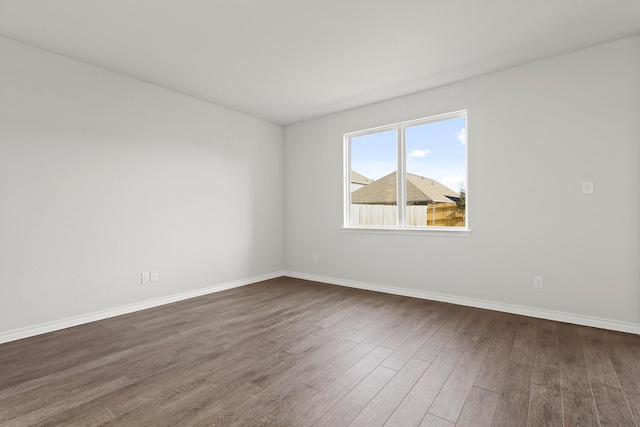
[(462, 135), (419, 153)]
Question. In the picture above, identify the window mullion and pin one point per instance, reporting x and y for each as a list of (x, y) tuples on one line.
[(401, 178), (346, 146)]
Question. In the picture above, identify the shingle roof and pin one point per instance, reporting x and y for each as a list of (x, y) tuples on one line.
[(357, 178), (420, 190)]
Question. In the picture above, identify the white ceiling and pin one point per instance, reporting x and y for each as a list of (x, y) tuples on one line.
[(290, 60)]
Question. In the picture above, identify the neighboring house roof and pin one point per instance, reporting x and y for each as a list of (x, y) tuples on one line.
[(420, 191), (357, 178)]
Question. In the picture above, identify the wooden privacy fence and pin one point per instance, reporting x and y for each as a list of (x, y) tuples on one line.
[(445, 215), (435, 215)]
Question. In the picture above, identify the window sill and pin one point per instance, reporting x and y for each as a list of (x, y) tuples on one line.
[(431, 231)]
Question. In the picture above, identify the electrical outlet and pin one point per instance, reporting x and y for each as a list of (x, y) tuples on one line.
[(315, 257), (587, 187), (538, 282), (154, 276), (145, 277)]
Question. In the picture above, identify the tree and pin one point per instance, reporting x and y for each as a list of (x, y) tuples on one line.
[(462, 201)]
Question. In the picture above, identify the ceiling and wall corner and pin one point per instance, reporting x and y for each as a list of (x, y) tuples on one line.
[(287, 61)]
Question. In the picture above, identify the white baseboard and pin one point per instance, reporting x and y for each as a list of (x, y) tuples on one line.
[(130, 308), (596, 322)]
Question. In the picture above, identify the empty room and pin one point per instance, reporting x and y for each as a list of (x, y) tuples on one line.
[(320, 213)]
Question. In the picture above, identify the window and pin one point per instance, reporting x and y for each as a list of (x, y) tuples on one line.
[(409, 176)]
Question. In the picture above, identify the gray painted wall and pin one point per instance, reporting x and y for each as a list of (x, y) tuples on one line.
[(536, 132), (103, 177)]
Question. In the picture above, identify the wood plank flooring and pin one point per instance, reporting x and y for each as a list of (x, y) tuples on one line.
[(288, 352)]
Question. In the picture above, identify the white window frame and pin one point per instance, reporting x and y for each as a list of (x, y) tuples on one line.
[(401, 227)]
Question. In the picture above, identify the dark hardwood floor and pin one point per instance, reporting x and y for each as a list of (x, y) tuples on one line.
[(287, 352)]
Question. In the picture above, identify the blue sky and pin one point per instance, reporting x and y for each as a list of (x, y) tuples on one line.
[(434, 150)]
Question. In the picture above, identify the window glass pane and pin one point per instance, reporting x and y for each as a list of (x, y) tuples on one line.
[(436, 173), (374, 201)]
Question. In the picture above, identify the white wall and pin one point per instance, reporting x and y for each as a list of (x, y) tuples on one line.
[(536, 132), (103, 177)]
